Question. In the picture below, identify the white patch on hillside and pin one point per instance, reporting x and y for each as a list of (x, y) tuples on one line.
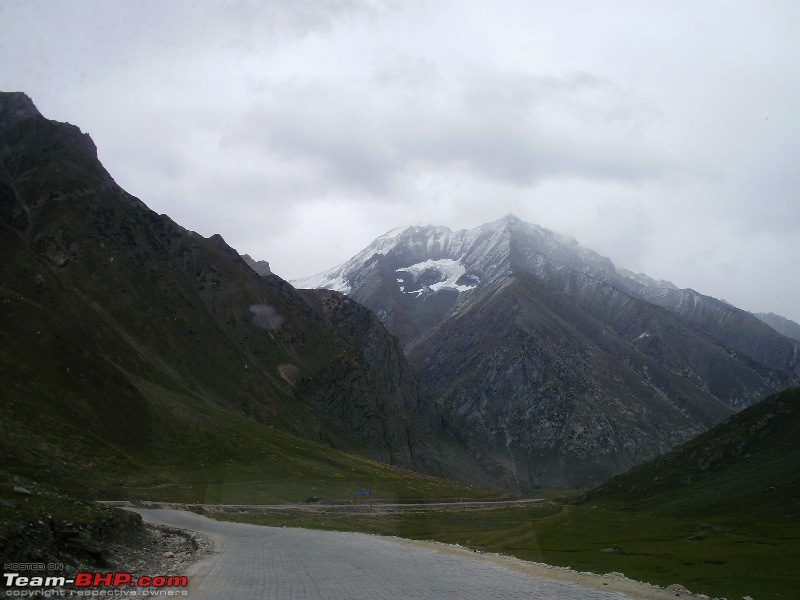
[(449, 272), (330, 280)]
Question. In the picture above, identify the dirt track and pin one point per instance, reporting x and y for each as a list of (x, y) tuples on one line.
[(361, 507)]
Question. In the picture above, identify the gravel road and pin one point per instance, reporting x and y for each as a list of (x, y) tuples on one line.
[(257, 563)]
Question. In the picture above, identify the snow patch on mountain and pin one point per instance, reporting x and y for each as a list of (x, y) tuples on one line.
[(448, 271), (329, 280)]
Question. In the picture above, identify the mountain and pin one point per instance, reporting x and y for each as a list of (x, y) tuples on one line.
[(745, 465), (780, 324), (548, 364), (259, 266), (128, 342)]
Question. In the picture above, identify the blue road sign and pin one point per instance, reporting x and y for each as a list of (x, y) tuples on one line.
[(362, 492)]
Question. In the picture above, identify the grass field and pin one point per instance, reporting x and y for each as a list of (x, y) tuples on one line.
[(198, 452)]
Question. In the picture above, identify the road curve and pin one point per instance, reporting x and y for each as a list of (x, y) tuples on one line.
[(252, 562)]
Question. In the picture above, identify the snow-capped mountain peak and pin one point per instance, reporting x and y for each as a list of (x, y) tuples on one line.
[(420, 274), (482, 254)]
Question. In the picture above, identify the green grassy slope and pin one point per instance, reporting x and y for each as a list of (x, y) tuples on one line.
[(749, 466), (199, 453)]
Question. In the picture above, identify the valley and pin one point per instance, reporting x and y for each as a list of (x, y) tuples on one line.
[(502, 388)]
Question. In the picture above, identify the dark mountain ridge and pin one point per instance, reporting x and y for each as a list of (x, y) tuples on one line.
[(781, 324), (112, 313)]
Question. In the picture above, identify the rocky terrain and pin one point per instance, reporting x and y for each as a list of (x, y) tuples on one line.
[(395, 428), (781, 324), (41, 526), (552, 367)]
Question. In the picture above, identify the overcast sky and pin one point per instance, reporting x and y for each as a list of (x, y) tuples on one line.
[(665, 135)]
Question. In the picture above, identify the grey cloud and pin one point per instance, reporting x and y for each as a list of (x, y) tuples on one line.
[(522, 91), (522, 154), (363, 143), (276, 118), (408, 73), (347, 156), (769, 195), (78, 42), (255, 25)]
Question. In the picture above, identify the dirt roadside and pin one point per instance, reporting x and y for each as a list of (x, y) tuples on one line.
[(166, 551), (611, 582)]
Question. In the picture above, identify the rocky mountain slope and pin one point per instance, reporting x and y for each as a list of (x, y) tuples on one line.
[(119, 328), (781, 324), (551, 366)]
